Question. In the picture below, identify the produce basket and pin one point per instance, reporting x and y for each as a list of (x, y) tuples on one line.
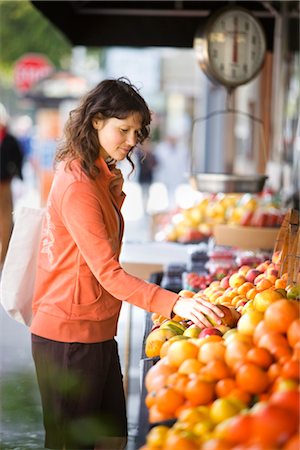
[(287, 247)]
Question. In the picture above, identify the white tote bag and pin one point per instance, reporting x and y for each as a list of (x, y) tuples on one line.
[(19, 270)]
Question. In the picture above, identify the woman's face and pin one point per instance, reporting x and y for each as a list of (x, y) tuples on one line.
[(117, 136)]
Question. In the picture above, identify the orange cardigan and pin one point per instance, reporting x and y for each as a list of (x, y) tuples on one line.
[(79, 283)]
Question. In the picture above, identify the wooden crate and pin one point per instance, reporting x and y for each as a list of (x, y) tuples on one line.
[(248, 238)]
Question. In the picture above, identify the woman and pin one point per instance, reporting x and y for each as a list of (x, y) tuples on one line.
[(80, 283)]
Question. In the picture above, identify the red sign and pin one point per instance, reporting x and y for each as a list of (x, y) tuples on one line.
[(29, 69)]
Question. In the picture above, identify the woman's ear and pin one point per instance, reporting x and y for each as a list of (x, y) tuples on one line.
[(96, 123)]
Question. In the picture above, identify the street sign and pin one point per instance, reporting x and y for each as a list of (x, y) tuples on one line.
[(29, 69)]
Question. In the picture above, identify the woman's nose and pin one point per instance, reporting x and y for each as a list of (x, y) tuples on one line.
[(131, 139)]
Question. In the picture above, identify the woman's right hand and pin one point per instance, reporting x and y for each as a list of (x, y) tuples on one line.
[(196, 310)]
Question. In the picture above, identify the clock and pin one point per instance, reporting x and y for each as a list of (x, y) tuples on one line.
[(232, 47)]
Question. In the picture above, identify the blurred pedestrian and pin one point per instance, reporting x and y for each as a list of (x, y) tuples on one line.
[(146, 165), (80, 284), (11, 161)]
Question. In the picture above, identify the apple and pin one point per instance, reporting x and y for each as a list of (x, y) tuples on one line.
[(252, 274), (236, 280), (210, 331), (272, 271), (262, 267), (244, 269), (224, 283), (259, 278), (293, 292)]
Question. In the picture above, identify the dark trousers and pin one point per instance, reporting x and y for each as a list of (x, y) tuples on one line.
[(82, 394)]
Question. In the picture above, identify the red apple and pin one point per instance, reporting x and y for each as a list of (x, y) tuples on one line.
[(252, 274), (244, 269), (224, 283), (263, 266), (209, 331)]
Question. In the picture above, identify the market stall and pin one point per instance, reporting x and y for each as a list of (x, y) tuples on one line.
[(213, 387)]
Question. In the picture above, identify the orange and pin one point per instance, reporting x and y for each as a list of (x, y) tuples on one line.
[(293, 443), (236, 353), (252, 378), (150, 399), (199, 391), (282, 353), (210, 338), (265, 298), (240, 394), (279, 315), (237, 429), (274, 371), (273, 425), (289, 400), (272, 341), (216, 369), (178, 440), (293, 332), (211, 350), (155, 415), (157, 375), (185, 405), (260, 356), (216, 444), (157, 436), (296, 352), (190, 365), (260, 330), (291, 369), (165, 347), (177, 381), (181, 350), (284, 384), (168, 400), (224, 386)]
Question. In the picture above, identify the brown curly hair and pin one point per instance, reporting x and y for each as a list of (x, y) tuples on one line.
[(111, 98)]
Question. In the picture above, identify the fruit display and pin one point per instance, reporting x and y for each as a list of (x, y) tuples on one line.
[(196, 223), (229, 386)]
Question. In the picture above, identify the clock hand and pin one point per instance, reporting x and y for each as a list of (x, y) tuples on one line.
[(235, 41)]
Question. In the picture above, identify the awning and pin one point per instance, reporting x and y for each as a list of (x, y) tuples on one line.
[(153, 23)]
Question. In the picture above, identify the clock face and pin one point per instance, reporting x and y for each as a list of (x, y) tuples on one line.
[(233, 47)]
